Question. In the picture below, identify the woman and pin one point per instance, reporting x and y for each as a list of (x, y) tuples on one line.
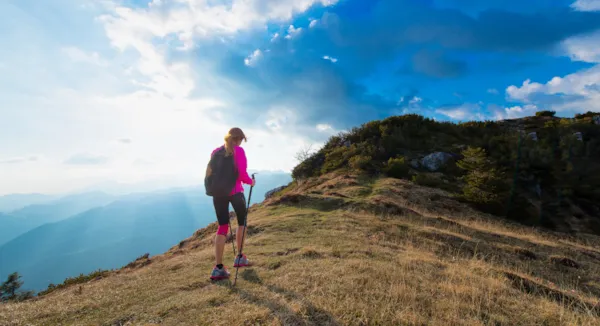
[(233, 140)]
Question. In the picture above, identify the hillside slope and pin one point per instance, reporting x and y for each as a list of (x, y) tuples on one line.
[(345, 250)]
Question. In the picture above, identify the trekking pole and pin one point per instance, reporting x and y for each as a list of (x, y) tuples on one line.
[(245, 229), (231, 235)]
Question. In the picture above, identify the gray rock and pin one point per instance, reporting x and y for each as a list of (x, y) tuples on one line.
[(533, 135), (435, 161), (270, 193)]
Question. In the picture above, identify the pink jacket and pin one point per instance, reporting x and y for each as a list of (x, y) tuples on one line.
[(241, 162)]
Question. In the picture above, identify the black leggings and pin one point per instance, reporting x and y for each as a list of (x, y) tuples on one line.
[(238, 201)]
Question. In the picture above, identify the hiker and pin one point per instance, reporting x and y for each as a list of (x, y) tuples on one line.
[(232, 158)]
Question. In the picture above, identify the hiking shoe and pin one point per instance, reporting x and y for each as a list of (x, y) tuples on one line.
[(241, 261), (219, 274)]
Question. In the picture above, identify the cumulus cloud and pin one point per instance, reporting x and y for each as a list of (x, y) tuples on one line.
[(576, 92), (293, 32), (514, 112), (583, 47), (324, 127), (332, 59), (462, 112), (586, 5), (86, 159), (253, 58)]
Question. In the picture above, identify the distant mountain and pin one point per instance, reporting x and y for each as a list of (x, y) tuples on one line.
[(32, 216), (105, 237), (12, 202), (11, 227), (115, 234)]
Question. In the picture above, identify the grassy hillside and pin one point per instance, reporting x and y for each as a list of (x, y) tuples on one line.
[(339, 249)]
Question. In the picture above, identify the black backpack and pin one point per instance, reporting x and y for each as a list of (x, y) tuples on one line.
[(221, 174)]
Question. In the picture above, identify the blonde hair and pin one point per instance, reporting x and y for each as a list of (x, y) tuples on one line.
[(234, 136)]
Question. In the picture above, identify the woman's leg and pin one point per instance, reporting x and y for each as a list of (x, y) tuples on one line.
[(222, 210), (238, 201)]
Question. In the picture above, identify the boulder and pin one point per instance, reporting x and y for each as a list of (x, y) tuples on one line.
[(270, 193), (435, 161)]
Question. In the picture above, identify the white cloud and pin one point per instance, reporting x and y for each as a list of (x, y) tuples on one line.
[(493, 91), (456, 114), (522, 93), (586, 5), (415, 100), (153, 104), (332, 59), (278, 119), (324, 127), (313, 23), (200, 18), (583, 48), (515, 112), (253, 58), (275, 37), (467, 111), (293, 32), (576, 92), (78, 55)]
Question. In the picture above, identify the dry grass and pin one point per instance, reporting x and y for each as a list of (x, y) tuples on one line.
[(349, 266)]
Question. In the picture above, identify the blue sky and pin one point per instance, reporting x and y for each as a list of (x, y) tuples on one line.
[(132, 90)]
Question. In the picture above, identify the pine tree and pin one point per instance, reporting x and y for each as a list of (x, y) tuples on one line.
[(9, 289), (483, 180)]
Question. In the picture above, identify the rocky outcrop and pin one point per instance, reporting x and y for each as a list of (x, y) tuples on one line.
[(270, 193), (435, 161)]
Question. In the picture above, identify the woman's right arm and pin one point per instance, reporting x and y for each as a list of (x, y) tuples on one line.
[(242, 164)]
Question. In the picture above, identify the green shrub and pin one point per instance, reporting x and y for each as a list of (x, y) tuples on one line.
[(545, 113), (396, 168), (75, 280), (309, 167), (551, 124), (360, 162), (427, 180), (588, 114)]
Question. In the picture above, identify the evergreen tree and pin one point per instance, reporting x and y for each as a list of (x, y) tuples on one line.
[(483, 180), (9, 290)]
